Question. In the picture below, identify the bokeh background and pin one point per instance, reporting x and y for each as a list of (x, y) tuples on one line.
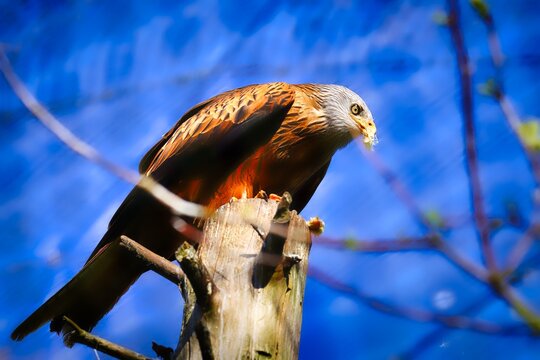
[(119, 74)]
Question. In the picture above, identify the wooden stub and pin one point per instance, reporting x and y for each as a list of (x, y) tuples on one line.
[(247, 321)]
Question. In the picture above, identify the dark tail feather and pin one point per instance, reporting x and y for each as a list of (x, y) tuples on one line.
[(111, 269), (90, 294)]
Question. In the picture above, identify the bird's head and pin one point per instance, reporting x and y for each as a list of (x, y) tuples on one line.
[(346, 112)]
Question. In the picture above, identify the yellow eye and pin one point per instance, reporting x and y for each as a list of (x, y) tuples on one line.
[(356, 109)]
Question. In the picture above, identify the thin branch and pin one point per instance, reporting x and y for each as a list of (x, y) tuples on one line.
[(397, 186), (517, 254), (497, 59), (498, 283), (427, 243), (513, 119), (509, 111), (406, 198), (458, 322), (178, 205), (155, 262), (376, 246), (474, 308), (198, 276), (469, 267), (471, 156), (77, 335), (520, 305)]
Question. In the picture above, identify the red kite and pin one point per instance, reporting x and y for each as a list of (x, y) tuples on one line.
[(274, 137)]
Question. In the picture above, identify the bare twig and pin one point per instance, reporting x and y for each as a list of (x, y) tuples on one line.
[(178, 205), (520, 305), (155, 262), (77, 335), (469, 267), (376, 246), (497, 282), (397, 186), (426, 243), (474, 308), (471, 156), (514, 121), (499, 94), (517, 254), (406, 198), (458, 322), (198, 276)]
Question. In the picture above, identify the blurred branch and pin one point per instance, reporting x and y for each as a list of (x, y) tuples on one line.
[(517, 254), (432, 241), (376, 246), (467, 108), (473, 309), (514, 299), (426, 243), (397, 186), (469, 267), (80, 147), (451, 321), (496, 89), (198, 276), (497, 282)]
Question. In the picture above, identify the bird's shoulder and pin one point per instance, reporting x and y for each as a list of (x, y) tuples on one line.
[(226, 109)]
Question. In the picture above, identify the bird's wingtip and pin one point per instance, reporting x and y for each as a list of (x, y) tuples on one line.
[(19, 333)]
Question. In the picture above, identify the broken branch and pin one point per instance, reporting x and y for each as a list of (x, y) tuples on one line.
[(77, 335), (155, 262)]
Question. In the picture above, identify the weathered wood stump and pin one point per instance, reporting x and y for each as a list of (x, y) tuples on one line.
[(254, 304)]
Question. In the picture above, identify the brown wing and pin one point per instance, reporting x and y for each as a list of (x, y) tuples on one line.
[(152, 153), (207, 146), (156, 149), (213, 119)]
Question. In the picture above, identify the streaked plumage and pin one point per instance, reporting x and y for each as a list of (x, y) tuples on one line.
[(274, 137)]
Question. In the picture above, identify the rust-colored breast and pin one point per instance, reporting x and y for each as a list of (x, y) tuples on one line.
[(211, 119)]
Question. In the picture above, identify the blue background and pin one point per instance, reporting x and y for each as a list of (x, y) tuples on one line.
[(119, 74)]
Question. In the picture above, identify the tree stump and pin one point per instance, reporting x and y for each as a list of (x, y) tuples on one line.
[(257, 293)]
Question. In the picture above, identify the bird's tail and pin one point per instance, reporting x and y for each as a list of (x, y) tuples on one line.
[(111, 269), (90, 294)]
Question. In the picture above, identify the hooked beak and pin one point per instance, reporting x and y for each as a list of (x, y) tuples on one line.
[(369, 131)]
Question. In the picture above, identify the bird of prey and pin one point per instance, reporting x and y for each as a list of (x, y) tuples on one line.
[(274, 137)]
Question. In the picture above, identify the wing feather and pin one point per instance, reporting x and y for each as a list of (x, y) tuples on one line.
[(221, 112), (302, 196)]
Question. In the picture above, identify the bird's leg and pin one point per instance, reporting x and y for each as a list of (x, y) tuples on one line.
[(264, 195)]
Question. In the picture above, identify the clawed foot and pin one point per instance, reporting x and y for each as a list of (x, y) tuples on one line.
[(264, 195), (275, 197)]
